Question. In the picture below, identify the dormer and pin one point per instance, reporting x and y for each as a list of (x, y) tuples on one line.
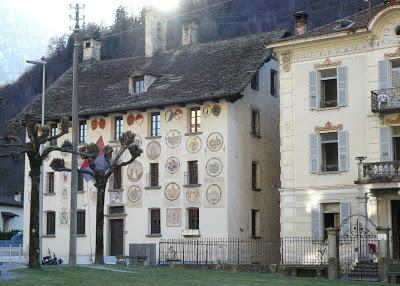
[(140, 81)]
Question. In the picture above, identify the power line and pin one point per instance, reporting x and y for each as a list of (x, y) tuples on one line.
[(170, 18)]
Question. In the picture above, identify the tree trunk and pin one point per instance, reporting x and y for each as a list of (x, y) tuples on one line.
[(34, 259), (100, 226)]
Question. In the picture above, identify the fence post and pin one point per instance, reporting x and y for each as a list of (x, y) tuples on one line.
[(333, 253), (383, 252), (20, 254), (10, 253)]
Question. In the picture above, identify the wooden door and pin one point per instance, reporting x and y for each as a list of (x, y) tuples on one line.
[(396, 229), (117, 237)]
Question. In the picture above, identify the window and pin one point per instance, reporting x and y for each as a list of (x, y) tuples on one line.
[(153, 175), (53, 133), (330, 217), (328, 88), (80, 222), (155, 124), (273, 82), (396, 74), (80, 182), (155, 221), (50, 223), (255, 123), (138, 84), (118, 127), (195, 120), (116, 210), (118, 178), (87, 45), (255, 81), (329, 145), (255, 174), (192, 175), (193, 218), (82, 131), (255, 223), (50, 183)]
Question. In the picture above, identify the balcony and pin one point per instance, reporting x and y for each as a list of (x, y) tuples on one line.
[(385, 100), (191, 179), (378, 172), (152, 181)]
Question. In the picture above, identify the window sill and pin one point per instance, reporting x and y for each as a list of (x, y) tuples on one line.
[(191, 232), (256, 237), (192, 186), (329, 173), (193, 133), (49, 236), (153, 188), (49, 194), (80, 192), (255, 135), (327, 108), (154, 235), (152, 137), (257, 190), (81, 235), (115, 190)]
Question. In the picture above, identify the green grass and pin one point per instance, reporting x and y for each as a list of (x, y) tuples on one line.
[(66, 276)]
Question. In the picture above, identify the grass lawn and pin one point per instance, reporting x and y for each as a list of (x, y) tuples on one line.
[(66, 276)]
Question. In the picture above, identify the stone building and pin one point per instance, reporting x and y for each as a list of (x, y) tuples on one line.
[(339, 123), (206, 116)]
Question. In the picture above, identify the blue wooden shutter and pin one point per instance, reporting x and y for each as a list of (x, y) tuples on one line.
[(316, 222), (313, 89), (345, 213), (384, 76), (342, 86), (343, 151), (386, 143), (315, 163)]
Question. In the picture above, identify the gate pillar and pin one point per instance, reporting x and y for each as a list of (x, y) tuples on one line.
[(362, 220), (383, 252), (333, 253)]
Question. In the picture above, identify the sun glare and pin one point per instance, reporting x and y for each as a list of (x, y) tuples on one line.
[(164, 4)]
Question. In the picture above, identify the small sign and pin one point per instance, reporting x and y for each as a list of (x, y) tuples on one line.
[(381, 236)]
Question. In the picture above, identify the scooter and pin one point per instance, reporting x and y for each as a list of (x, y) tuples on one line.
[(48, 260)]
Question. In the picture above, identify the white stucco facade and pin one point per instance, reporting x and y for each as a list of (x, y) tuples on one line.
[(306, 188), (224, 195)]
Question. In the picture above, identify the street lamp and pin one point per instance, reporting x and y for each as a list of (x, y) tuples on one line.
[(42, 63)]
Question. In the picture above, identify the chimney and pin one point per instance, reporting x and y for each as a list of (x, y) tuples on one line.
[(190, 30), (301, 22), (91, 50), (155, 32), (17, 197)]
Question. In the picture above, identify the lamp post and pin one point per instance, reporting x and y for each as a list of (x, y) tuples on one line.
[(42, 63)]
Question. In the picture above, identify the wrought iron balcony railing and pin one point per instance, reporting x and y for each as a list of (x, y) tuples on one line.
[(385, 100), (376, 172)]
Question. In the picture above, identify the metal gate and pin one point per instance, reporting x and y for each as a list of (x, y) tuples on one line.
[(358, 249)]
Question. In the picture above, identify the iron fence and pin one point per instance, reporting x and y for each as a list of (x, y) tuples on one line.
[(303, 250), (219, 251)]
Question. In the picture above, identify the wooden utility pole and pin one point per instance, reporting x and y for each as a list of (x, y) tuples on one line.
[(75, 131)]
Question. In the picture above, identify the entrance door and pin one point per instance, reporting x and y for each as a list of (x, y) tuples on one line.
[(396, 228), (117, 237)]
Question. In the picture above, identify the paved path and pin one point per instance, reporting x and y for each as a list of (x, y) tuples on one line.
[(5, 271), (101, 267)]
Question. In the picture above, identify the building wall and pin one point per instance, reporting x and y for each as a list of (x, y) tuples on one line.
[(301, 189), (223, 210)]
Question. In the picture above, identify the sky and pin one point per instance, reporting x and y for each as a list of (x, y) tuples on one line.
[(53, 15)]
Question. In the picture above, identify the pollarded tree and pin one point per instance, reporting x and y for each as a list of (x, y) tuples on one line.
[(100, 173), (36, 136)]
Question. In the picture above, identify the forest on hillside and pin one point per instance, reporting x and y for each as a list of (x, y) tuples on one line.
[(219, 19)]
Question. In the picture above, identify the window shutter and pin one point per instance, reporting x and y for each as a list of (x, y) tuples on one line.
[(345, 212), (343, 151), (314, 153), (313, 89), (316, 222), (342, 86), (384, 78), (386, 146)]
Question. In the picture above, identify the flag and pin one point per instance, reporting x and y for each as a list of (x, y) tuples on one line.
[(100, 160)]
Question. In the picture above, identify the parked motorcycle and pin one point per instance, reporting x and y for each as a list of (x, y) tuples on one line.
[(51, 260)]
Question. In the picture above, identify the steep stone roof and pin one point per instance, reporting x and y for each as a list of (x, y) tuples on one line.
[(208, 71)]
